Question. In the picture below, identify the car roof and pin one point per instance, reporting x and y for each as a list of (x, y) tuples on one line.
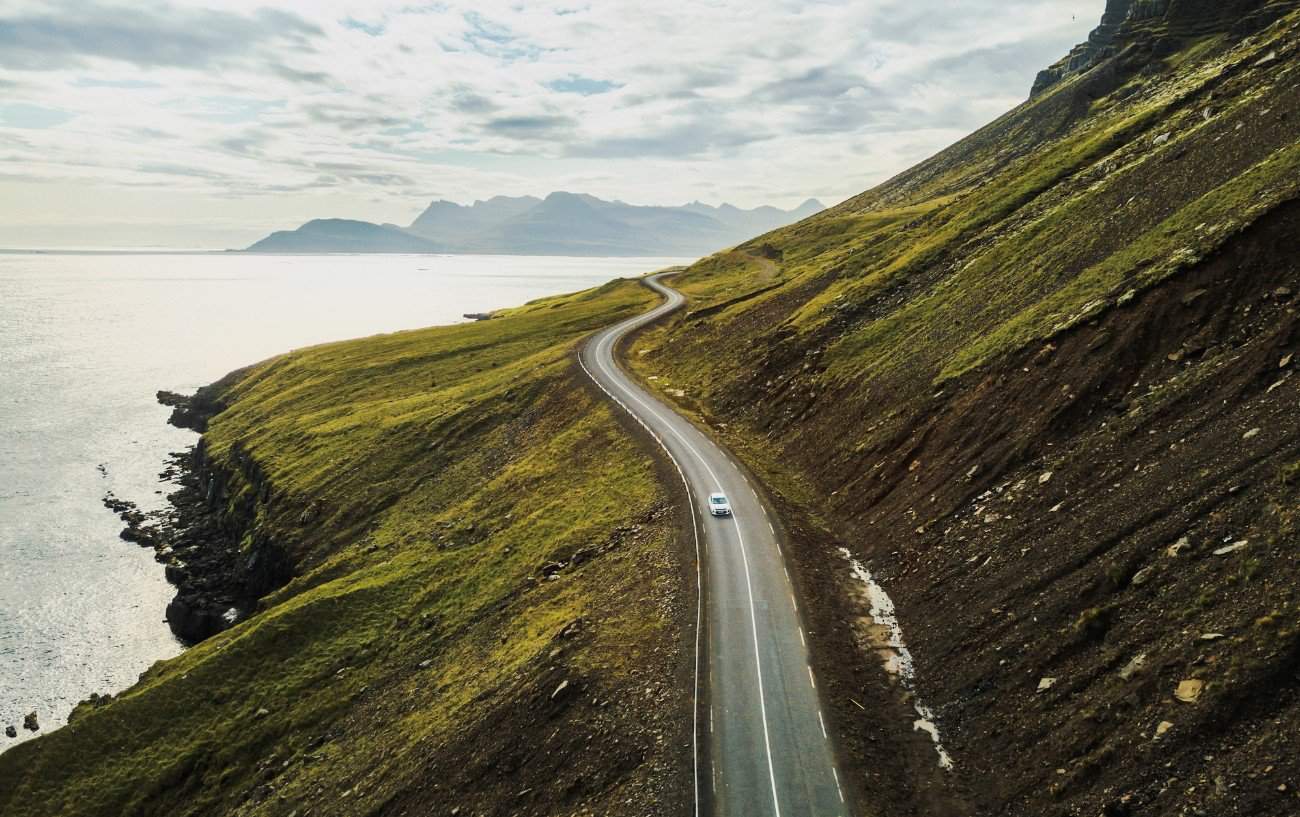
[(717, 496)]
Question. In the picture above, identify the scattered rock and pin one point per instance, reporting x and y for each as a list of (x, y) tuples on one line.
[(571, 629), (1282, 292), (1161, 139), (1233, 548), (1266, 59), (1045, 478), (1143, 576), (29, 722), (560, 689), (1189, 690), (1046, 684), (261, 713), (1178, 547), (1212, 636), (1286, 361), (1131, 668), (1162, 727), (1252, 434), (10, 731), (425, 664)]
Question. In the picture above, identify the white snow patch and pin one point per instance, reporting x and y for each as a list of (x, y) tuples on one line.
[(926, 724), (896, 656)]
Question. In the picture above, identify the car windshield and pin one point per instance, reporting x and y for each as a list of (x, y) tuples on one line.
[(719, 500)]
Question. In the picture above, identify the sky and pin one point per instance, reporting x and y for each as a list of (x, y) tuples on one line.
[(206, 125)]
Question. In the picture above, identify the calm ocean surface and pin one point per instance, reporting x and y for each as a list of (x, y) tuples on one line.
[(86, 341)]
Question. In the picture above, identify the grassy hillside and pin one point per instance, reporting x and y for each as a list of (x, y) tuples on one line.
[(1042, 386), (1039, 384), (485, 609)]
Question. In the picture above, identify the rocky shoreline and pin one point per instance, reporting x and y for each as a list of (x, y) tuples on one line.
[(198, 536)]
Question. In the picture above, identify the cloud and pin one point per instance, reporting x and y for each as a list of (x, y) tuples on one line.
[(67, 34), (466, 100), (21, 115), (583, 86), (699, 136), (269, 111), (814, 85), (531, 127)]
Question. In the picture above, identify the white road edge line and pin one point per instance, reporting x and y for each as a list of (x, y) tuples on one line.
[(601, 341), (699, 590), (837, 784), (811, 679), (822, 721)]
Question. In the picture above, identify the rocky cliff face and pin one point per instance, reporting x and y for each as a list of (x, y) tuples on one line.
[(1139, 33), (218, 553)]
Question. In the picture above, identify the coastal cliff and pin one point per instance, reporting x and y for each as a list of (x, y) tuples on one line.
[(456, 588)]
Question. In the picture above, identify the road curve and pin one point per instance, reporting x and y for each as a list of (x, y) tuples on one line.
[(769, 754)]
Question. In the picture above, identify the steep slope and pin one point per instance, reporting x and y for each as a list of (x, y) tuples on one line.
[(343, 235), (1041, 388), (485, 613)]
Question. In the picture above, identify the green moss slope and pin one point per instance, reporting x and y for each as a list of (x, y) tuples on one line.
[(421, 482)]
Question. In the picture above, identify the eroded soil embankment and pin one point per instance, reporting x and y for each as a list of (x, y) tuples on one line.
[(1072, 533)]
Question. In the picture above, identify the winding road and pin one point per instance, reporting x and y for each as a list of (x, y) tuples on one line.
[(757, 705)]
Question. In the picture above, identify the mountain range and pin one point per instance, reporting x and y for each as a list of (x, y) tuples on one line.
[(560, 224)]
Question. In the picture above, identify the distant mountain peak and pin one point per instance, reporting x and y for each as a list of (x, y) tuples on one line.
[(562, 223)]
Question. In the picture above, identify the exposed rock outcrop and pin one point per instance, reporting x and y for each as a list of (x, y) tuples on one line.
[(1138, 33), (215, 554), (219, 560)]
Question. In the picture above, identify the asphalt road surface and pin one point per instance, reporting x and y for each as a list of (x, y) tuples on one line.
[(758, 709)]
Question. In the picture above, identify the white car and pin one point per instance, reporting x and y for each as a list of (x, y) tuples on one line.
[(718, 505)]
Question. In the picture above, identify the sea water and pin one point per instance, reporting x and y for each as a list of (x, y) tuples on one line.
[(85, 342)]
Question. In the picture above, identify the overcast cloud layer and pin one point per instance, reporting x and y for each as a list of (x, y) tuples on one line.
[(204, 124)]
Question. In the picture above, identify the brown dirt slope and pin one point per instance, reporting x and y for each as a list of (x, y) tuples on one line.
[(1044, 387)]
